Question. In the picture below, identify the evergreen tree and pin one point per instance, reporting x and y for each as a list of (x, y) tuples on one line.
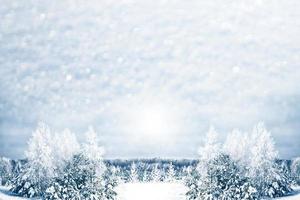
[(64, 146), (192, 181), (82, 177), (171, 174), (207, 152), (211, 147), (92, 167), (111, 180), (134, 177), (223, 180), (295, 170), (5, 171), (145, 176), (237, 146), (266, 175), (155, 174), (252, 173), (38, 171)]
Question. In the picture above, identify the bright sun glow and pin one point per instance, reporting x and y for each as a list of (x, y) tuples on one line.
[(153, 123)]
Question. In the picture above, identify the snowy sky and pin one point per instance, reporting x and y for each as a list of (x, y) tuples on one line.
[(73, 64)]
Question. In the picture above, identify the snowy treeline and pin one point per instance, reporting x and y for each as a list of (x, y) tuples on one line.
[(58, 167), (142, 170), (243, 167), (152, 174)]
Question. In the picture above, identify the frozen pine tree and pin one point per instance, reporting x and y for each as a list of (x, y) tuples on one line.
[(209, 150), (111, 180), (145, 176), (192, 180), (263, 153), (134, 177), (6, 170), (237, 146), (295, 168), (93, 167), (155, 173), (38, 171), (211, 147), (82, 176), (117, 173), (265, 173), (223, 180), (91, 148), (171, 174), (64, 147)]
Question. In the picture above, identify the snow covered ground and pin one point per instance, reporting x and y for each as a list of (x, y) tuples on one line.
[(151, 191), (6, 195), (145, 191), (295, 196)]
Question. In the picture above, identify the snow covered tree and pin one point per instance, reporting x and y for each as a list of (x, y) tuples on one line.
[(134, 177), (210, 150), (82, 177), (111, 180), (155, 173), (237, 146), (117, 174), (267, 176), (5, 171), (252, 173), (38, 171), (145, 176), (91, 167), (67, 185), (192, 181), (64, 147), (223, 180), (211, 147), (295, 170), (207, 152), (171, 174), (281, 181)]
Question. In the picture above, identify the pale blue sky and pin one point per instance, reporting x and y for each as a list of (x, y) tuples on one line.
[(228, 63)]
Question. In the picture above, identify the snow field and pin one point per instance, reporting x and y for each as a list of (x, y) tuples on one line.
[(151, 191), (6, 195), (146, 191)]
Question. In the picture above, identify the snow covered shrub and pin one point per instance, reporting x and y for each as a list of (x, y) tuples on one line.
[(295, 168)]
